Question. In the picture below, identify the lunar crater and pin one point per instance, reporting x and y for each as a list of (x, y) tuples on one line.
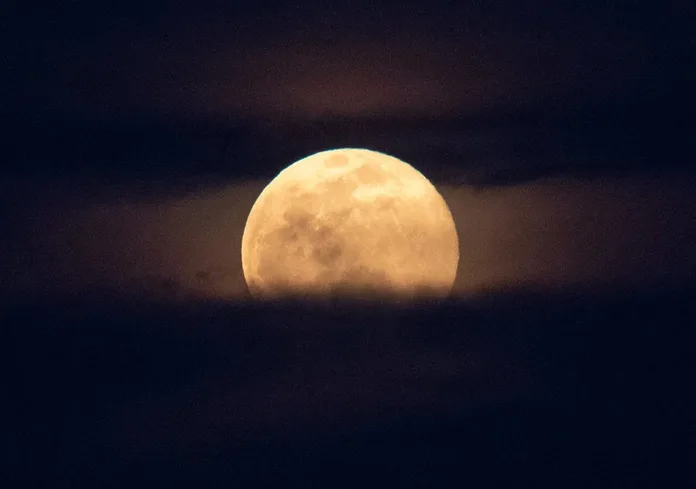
[(336, 161), (371, 175), (328, 253)]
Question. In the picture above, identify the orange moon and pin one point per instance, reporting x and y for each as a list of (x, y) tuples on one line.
[(350, 223)]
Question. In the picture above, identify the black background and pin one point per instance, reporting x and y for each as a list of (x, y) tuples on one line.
[(156, 89), (517, 390)]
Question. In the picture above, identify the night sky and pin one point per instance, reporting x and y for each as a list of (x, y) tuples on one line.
[(137, 137), (306, 59)]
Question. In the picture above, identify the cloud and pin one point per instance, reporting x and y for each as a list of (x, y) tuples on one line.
[(551, 234)]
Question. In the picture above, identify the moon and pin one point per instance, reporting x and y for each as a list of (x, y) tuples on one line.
[(350, 223)]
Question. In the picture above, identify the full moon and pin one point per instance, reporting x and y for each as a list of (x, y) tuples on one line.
[(350, 223)]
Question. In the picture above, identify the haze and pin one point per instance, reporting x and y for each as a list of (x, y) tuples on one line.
[(549, 234)]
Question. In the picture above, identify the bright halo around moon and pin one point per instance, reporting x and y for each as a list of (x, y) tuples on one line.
[(350, 223)]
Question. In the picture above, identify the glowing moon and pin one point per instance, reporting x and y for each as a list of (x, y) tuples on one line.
[(350, 222)]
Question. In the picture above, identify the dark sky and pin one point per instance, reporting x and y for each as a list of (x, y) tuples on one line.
[(139, 134), (598, 97), (298, 59), (486, 91)]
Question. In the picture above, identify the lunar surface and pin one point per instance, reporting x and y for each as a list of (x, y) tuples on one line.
[(350, 223)]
